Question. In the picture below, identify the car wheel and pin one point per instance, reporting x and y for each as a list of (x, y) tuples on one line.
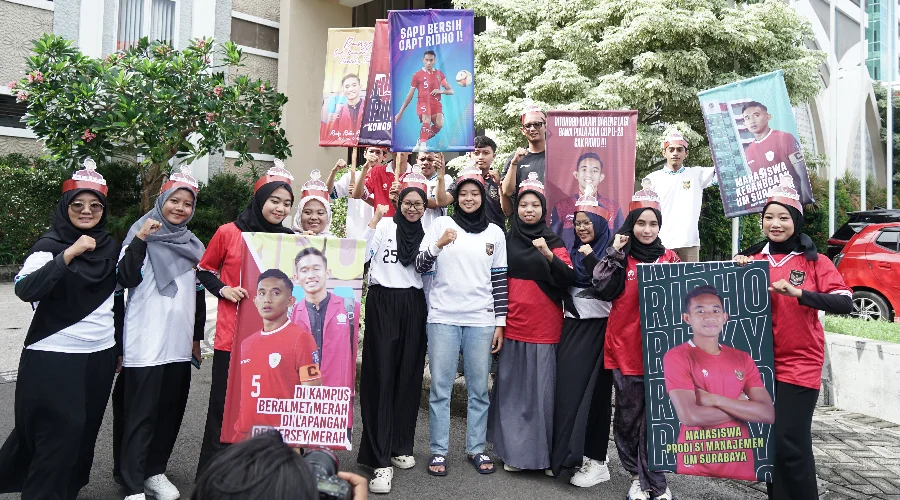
[(870, 307)]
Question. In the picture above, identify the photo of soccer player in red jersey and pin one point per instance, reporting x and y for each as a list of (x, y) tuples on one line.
[(275, 359), (430, 84), (347, 114), (715, 390), (773, 150)]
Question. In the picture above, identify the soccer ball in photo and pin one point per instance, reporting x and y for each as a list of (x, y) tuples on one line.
[(464, 78)]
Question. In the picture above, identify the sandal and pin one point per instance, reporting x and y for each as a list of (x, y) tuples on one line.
[(479, 459), (437, 461)]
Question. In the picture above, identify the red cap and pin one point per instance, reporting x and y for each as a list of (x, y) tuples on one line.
[(645, 198), (182, 179), (531, 184), (785, 194), (588, 203), (470, 173), (415, 179), (275, 174), (87, 178), (314, 186)]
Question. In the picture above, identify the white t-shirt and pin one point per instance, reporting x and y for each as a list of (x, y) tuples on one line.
[(462, 293), (680, 196), (359, 213), (433, 213), (381, 251), (159, 329), (94, 333)]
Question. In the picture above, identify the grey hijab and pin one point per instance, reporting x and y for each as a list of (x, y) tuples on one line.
[(173, 250)]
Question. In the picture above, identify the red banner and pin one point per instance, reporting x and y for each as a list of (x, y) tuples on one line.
[(377, 120), (589, 148)]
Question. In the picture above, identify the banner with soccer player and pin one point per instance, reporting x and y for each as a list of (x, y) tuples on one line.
[(343, 96), (378, 118), (709, 378), (589, 153), (754, 141), (432, 86), (293, 364)]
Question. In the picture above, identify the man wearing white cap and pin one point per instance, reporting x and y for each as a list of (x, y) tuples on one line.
[(680, 191)]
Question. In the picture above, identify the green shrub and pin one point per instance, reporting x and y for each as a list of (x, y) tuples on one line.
[(218, 203)]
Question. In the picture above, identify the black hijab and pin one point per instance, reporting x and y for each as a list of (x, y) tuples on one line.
[(602, 237), (81, 292), (639, 251), (409, 234), (476, 221), (251, 220), (523, 259), (797, 242)]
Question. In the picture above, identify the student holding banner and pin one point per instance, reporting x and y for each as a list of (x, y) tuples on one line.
[(469, 257), (378, 180), (525, 161), (394, 345), (680, 191), (615, 278), (359, 211), (271, 204), (803, 283), (520, 421), (583, 402)]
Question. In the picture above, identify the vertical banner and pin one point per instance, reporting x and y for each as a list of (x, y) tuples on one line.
[(378, 118), (343, 95), (709, 380), (589, 150), (293, 364), (754, 141), (432, 68)]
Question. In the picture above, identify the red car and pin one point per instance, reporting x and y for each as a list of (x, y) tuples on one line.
[(870, 265)]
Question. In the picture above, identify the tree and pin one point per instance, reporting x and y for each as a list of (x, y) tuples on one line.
[(650, 55), (881, 100), (149, 104)]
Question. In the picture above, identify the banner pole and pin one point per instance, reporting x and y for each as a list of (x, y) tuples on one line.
[(735, 236), (863, 172), (832, 95)]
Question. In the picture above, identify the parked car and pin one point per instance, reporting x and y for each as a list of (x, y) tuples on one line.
[(870, 265), (855, 223)]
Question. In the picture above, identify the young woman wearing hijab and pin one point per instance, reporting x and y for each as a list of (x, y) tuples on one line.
[(583, 402), (270, 205), (313, 211), (164, 321), (615, 279), (393, 359), (66, 369), (467, 310), (520, 420), (803, 283)]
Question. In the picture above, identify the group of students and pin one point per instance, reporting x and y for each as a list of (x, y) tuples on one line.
[(560, 319)]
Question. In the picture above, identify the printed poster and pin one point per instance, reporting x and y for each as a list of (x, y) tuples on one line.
[(589, 151), (709, 376), (432, 79), (754, 142), (343, 95), (293, 361), (378, 119)]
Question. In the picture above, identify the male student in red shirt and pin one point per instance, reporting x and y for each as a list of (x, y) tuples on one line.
[(275, 359), (430, 83), (774, 150), (713, 386)]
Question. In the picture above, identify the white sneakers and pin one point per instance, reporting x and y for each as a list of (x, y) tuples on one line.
[(403, 462), (160, 488), (665, 496), (138, 496), (635, 492), (592, 472), (381, 482), (510, 468)]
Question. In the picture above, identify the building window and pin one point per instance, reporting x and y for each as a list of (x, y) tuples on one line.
[(250, 34), (154, 19), (11, 112)]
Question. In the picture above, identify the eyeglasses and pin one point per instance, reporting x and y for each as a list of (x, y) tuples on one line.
[(413, 206), (77, 206), (583, 223), (535, 125)]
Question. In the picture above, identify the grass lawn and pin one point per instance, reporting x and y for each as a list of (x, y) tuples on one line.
[(875, 330)]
